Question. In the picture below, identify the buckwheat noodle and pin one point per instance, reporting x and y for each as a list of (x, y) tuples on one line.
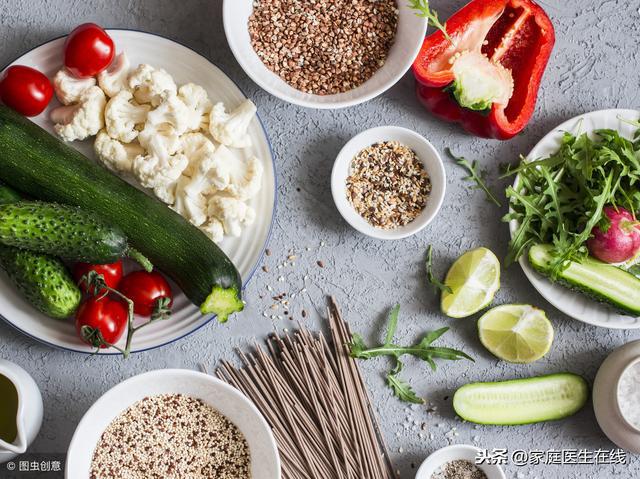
[(312, 395)]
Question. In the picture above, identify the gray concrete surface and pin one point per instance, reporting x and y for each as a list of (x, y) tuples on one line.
[(594, 66)]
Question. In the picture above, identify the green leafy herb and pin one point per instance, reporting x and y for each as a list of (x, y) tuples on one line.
[(422, 350), (425, 11), (560, 198), (475, 175), (430, 277)]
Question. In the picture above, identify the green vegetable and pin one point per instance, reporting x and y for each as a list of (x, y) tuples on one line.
[(35, 162), (476, 176), (424, 11), (431, 278), (601, 281), (42, 280), (560, 198), (423, 350), (522, 401)]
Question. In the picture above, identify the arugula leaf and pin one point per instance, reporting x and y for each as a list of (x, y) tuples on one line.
[(401, 389), (475, 175), (430, 277), (425, 11)]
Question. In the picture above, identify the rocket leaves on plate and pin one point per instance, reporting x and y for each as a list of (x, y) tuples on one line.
[(422, 350), (559, 199)]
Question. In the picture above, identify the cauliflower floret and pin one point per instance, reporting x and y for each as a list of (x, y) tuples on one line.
[(213, 229), (190, 144), (115, 78), (153, 171), (171, 111), (248, 183), (83, 119), (166, 193), (114, 155), (191, 205), (196, 99), (234, 214), (122, 115), (230, 129), (69, 88), (151, 85)]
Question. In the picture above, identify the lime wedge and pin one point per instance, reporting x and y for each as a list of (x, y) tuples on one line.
[(517, 333), (473, 279)]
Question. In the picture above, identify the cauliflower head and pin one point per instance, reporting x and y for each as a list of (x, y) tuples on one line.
[(233, 213), (230, 129), (197, 100), (121, 116), (69, 88), (115, 155), (115, 78), (151, 85), (83, 119)]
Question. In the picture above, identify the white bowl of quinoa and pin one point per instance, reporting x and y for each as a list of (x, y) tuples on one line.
[(327, 53), (173, 423), (388, 182)]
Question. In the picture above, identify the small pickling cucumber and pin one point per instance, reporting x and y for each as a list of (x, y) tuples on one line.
[(42, 280), (600, 281), (522, 401), (63, 231)]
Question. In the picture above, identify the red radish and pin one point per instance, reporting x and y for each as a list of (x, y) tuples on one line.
[(620, 242)]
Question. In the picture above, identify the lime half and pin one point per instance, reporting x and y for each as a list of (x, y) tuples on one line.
[(517, 333), (474, 279)]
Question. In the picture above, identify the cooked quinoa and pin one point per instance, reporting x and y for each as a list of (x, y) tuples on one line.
[(388, 185), (171, 436)]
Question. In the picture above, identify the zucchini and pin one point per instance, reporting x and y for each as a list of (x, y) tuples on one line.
[(522, 401), (600, 281), (38, 164), (42, 280)]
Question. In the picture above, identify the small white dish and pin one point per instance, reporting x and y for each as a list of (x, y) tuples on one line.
[(265, 461), (455, 452), (409, 38), (605, 397), (425, 151), (572, 303)]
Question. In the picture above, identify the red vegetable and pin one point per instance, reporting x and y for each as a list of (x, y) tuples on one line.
[(146, 290), (112, 273), (88, 50), (101, 320), (25, 89), (516, 34), (620, 242)]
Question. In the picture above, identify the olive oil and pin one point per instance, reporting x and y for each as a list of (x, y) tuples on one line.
[(8, 410)]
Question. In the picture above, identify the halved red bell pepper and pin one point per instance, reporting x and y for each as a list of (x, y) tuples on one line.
[(516, 34)]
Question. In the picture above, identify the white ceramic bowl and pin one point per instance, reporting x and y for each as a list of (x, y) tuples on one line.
[(425, 151), (452, 453), (409, 37), (265, 462)]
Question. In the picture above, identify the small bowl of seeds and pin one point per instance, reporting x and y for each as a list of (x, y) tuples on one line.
[(458, 461), (324, 53), (388, 182)]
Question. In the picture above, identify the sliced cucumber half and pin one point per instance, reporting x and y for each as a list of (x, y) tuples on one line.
[(522, 401)]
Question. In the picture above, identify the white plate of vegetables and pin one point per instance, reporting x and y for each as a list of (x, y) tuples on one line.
[(573, 218), (180, 173)]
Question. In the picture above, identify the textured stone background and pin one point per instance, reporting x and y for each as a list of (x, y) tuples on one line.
[(594, 67)]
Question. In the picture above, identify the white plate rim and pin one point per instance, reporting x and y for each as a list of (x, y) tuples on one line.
[(267, 239), (611, 319)]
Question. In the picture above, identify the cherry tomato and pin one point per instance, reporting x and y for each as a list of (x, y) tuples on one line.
[(88, 50), (25, 89), (145, 289), (111, 272), (106, 315)]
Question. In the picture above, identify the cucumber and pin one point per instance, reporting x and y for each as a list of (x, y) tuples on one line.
[(38, 164), (42, 280), (600, 281), (64, 231), (522, 401)]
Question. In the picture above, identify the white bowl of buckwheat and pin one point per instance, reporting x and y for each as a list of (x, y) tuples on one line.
[(173, 423), (388, 182), (326, 53)]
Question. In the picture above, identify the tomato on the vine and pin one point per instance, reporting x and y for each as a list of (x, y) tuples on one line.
[(112, 273), (88, 50), (25, 89), (146, 290), (101, 321)]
